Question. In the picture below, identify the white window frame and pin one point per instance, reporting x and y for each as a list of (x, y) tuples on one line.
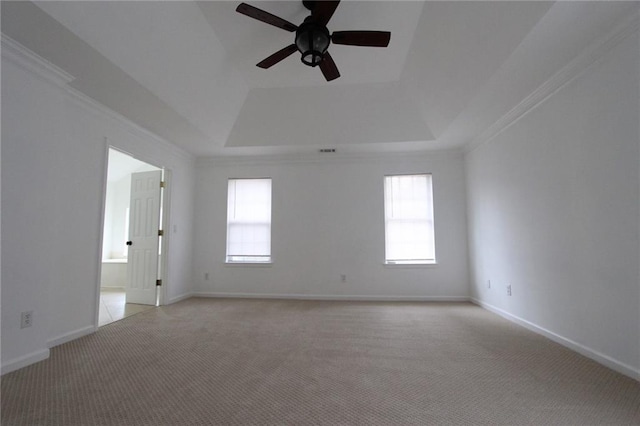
[(236, 217), (416, 217)]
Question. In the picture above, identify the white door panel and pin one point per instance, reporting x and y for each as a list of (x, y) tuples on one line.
[(144, 223)]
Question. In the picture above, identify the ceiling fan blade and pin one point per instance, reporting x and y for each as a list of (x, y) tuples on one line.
[(323, 11), (277, 57), (329, 68), (362, 38), (266, 17)]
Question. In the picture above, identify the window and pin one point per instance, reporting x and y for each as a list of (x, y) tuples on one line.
[(249, 221), (408, 211)]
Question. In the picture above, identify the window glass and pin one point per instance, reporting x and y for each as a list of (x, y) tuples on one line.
[(409, 230), (249, 221)]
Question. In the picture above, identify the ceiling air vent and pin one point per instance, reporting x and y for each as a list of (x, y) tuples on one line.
[(327, 150)]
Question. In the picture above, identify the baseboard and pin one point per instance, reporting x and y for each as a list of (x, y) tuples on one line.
[(179, 298), (23, 361), (360, 298), (601, 358), (72, 335)]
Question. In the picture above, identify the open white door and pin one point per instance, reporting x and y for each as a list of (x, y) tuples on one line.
[(144, 221)]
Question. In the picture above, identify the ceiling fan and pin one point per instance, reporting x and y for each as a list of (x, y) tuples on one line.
[(312, 36)]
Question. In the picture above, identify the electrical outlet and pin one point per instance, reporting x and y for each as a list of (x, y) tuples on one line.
[(509, 290), (26, 319), (488, 283), (343, 278)]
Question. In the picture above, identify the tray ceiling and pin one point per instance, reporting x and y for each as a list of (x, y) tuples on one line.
[(186, 70)]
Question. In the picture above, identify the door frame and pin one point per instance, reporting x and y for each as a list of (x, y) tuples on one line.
[(166, 214)]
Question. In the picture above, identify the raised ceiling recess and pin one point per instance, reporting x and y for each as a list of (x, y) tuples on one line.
[(313, 38)]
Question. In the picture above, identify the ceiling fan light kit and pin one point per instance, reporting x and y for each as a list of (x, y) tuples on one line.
[(313, 38)]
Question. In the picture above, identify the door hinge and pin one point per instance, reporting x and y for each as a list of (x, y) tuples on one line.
[(160, 232), (161, 184), (158, 283)]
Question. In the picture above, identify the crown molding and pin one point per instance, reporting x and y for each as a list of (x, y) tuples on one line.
[(25, 58), (125, 124), (576, 67), (49, 72)]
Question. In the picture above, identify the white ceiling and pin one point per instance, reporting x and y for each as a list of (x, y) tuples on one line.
[(186, 70), (247, 41)]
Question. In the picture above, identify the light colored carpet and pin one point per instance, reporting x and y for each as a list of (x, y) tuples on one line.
[(257, 362)]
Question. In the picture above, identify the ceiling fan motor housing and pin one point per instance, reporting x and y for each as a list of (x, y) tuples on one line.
[(312, 40), (309, 4)]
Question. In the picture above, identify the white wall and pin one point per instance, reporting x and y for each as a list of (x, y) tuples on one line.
[(121, 201), (113, 273), (328, 220), (107, 231), (53, 179), (116, 203), (554, 211)]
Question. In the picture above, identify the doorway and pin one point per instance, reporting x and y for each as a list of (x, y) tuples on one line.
[(120, 220)]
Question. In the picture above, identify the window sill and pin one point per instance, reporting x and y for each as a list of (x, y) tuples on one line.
[(249, 264), (410, 265), (114, 260)]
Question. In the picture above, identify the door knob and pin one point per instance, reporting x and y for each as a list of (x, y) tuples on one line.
[(129, 243)]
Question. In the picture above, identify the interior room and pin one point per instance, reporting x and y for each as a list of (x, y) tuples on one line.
[(292, 260)]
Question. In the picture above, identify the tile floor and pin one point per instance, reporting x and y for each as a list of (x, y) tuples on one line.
[(114, 308)]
